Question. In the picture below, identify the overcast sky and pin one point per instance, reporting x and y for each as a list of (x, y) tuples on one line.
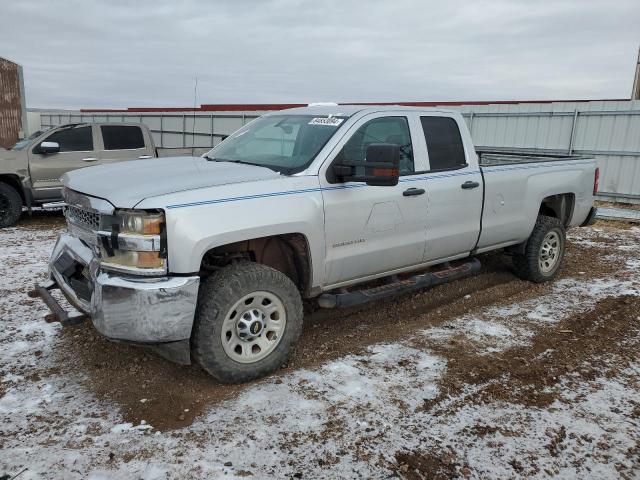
[(147, 53)]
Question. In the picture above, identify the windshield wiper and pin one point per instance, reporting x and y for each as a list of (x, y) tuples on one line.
[(217, 159), (249, 163), (243, 162)]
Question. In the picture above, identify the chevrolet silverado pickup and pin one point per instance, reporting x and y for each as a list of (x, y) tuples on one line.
[(30, 171), (210, 258)]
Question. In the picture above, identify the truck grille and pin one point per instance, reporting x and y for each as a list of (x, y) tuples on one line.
[(83, 218)]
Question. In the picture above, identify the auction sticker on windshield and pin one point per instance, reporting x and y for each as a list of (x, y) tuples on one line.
[(328, 121)]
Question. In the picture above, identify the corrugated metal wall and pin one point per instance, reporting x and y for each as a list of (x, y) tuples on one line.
[(608, 130), (12, 108)]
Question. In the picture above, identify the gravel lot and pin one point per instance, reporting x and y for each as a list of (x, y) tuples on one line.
[(489, 376)]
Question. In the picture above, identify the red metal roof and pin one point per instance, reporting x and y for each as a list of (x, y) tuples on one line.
[(239, 107)]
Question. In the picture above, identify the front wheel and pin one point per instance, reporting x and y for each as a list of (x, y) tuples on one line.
[(249, 317), (543, 252), (10, 205)]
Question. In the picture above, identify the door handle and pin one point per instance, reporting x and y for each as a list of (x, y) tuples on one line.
[(89, 159), (412, 192), (144, 157), (470, 184)]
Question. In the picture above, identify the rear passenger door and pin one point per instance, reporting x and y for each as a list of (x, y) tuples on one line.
[(454, 189), (123, 142)]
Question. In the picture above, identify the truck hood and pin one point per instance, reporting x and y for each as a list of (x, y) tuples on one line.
[(14, 161), (11, 154), (125, 184)]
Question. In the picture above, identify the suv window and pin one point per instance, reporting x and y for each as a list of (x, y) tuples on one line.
[(78, 139), (393, 130), (444, 143), (122, 137)]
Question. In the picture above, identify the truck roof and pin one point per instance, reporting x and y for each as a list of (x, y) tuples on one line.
[(79, 124), (349, 110)]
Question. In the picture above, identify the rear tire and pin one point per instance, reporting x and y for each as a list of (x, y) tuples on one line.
[(10, 205), (249, 317), (543, 252)]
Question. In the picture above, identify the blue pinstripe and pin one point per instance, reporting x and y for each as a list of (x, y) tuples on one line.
[(489, 169)]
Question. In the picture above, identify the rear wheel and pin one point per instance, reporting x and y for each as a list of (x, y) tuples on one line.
[(10, 205), (543, 252), (248, 318)]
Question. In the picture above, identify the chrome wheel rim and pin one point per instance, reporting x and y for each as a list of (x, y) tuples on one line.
[(549, 252), (253, 327)]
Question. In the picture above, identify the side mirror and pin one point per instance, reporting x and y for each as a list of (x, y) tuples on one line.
[(47, 148), (382, 165)]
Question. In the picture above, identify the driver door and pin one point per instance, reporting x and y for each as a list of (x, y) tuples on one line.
[(371, 230), (76, 151)]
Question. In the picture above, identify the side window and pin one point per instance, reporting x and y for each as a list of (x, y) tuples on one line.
[(444, 143), (122, 137), (380, 130), (77, 139)]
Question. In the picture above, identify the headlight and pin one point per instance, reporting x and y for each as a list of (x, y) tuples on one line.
[(130, 259), (135, 244), (139, 222)]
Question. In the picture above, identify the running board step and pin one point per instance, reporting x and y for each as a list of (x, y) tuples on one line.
[(417, 282)]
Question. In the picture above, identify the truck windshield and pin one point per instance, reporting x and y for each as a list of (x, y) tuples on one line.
[(284, 143), (25, 142)]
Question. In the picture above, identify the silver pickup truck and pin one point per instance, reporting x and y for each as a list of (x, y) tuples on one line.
[(30, 171), (210, 258)]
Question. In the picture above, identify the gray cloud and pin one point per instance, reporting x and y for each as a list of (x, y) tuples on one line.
[(120, 53)]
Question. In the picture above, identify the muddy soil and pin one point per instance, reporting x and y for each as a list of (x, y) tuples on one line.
[(627, 206), (170, 396), (583, 347)]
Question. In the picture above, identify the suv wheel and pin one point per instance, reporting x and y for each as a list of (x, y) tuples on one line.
[(10, 205), (248, 318), (543, 252)]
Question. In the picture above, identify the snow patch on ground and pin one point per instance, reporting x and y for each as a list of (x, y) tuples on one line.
[(346, 418)]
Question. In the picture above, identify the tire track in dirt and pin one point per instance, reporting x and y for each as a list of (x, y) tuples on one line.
[(174, 395), (581, 348), (170, 396), (584, 344)]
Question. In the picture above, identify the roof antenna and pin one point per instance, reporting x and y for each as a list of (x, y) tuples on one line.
[(193, 127)]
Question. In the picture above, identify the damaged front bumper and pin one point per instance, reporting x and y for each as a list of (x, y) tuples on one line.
[(153, 311)]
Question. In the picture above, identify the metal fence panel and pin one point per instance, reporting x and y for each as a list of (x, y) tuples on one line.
[(607, 130)]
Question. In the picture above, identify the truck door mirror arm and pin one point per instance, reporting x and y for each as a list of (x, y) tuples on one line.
[(381, 166)]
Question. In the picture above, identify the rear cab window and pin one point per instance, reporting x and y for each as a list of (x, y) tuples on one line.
[(122, 137), (444, 143)]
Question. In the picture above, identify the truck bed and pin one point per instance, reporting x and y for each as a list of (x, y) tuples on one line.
[(517, 182), (490, 158)]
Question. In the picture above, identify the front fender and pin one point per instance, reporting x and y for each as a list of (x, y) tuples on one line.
[(209, 218)]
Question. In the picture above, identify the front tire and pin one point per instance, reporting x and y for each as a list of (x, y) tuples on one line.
[(543, 252), (10, 205), (248, 318)]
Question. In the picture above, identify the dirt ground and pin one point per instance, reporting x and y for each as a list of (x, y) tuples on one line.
[(548, 359), (120, 371), (628, 206)]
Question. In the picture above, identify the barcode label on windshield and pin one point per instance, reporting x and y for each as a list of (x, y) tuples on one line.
[(328, 121)]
